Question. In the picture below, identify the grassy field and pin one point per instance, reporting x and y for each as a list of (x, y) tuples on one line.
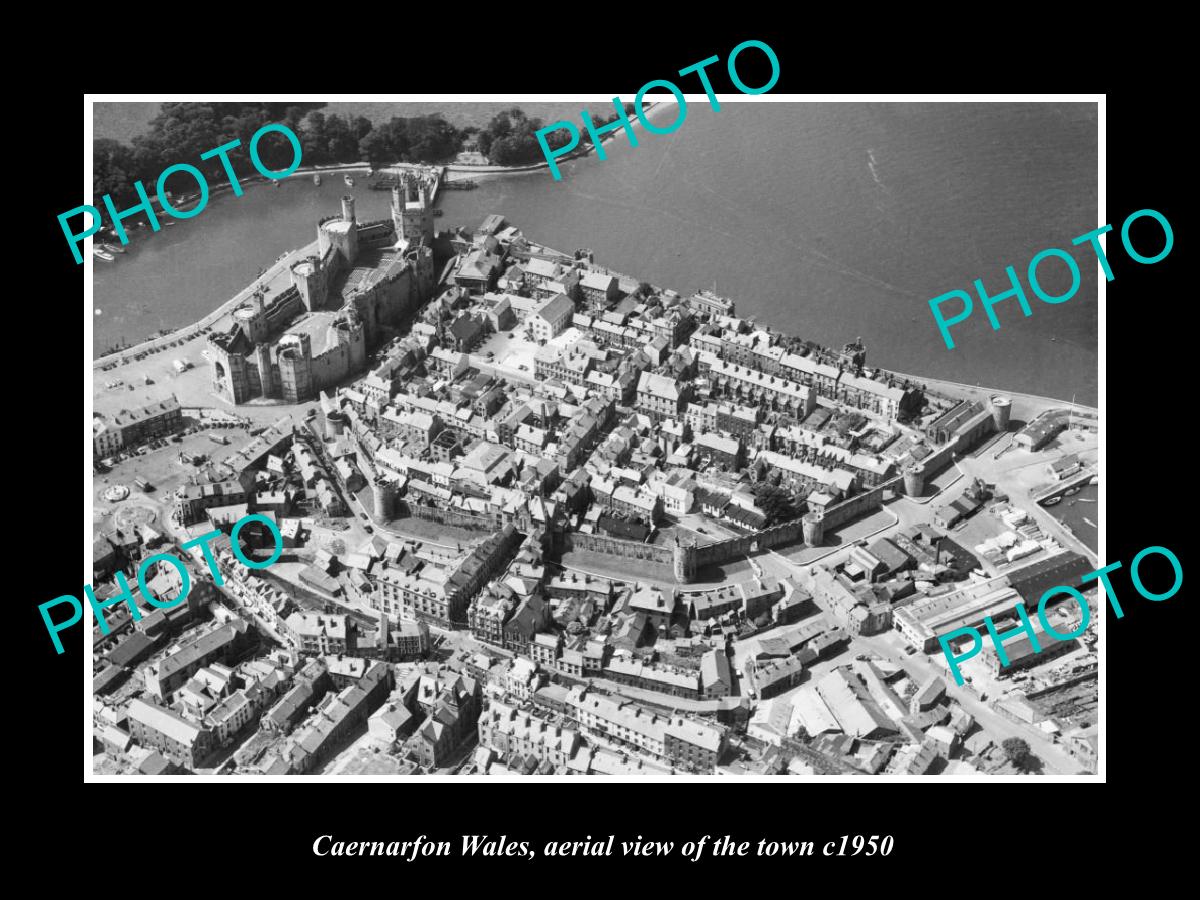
[(121, 121)]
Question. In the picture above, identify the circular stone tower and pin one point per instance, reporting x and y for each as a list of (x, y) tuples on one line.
[(914, 480), (1001, 410), (813, 524), (385, 499), (335, 423), (684, 558)]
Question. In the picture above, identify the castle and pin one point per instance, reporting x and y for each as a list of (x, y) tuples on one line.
[(300, 335)]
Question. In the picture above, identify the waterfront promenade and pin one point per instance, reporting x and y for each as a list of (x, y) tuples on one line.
[(275, 278), (1025, 406)]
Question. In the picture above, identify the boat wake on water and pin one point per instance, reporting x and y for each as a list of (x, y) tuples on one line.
[(875, 172)]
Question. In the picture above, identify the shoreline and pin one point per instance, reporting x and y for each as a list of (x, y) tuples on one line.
[(189, 331), (954, 388)]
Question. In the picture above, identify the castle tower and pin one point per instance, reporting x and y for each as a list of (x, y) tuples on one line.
[(421, 260), (358, 345), (252, 319), (385, 499), (229, 378), (295, 368), (262, 359), (412, 214), (1001, 411), (399, 198), (309, 278), (813, 524), (914, 480), (684, 559), (340, 232)]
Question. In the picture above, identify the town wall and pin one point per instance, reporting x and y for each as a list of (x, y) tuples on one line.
[(611, 546)]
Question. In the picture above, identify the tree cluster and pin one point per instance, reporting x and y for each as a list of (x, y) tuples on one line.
[(1018, 753), (775, 502), (419, 139), (183, 131), (510, 138), (180, 133)]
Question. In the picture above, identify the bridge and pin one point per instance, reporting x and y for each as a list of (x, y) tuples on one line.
[(1057, 490)]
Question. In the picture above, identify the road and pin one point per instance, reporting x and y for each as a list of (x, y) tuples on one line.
[(1055, 760), (888, 646)]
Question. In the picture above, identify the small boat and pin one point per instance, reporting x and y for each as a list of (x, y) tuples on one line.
[(1052, 501), (96, 251), (1089, 521), (349, 181), (1071, 492), (111, 248), (317, 180), (1095, 479)]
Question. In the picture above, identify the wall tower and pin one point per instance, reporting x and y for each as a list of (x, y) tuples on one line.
[(813, 524), (684, 559), (1001, 411)]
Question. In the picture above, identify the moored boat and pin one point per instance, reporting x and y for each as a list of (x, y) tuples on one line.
[(349, 181), (317, 180), (1052, 501), (96, 251)]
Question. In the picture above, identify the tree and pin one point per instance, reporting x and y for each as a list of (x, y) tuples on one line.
[(342, 142), (1017, 752), (377, 147), (775, 502)]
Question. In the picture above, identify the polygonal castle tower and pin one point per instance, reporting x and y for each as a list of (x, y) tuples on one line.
[(412, 212), (308, 275), (295, 367), (340, 233)]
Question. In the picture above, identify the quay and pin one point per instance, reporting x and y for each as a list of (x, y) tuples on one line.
[(1075, 481)]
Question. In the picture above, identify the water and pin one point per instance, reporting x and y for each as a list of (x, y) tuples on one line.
[(1072, 514), (829, 221)]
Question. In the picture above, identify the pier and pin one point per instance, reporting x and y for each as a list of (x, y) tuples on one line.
[(387, 178)]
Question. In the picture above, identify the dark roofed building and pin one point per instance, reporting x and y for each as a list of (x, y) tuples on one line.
[(626, 530), (893, 558), (1065, 569), (132, 650), (467, 331)]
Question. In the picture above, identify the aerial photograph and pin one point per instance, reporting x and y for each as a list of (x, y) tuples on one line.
[(659, 468)]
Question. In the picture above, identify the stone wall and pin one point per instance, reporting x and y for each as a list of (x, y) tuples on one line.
[(599, 543), (456, 517), (723, 551)]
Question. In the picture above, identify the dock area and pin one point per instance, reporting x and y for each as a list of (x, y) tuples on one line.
[(1057, 490)]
